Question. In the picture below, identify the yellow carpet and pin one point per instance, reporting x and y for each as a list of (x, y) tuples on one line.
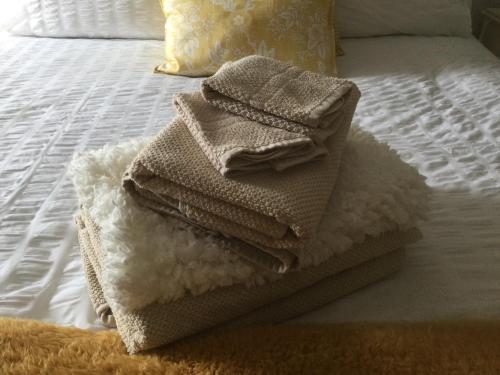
[(28, 347)]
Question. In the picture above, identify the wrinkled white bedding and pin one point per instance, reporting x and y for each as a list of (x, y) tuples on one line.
[(434, 100)]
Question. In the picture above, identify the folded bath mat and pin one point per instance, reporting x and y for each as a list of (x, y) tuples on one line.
[(269, 114), (153, 269), (232, 306)]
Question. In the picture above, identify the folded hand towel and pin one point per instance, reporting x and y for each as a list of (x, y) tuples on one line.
[(282, 114), (150, 258), (237, 145)]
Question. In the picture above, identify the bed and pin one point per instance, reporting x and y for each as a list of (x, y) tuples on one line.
[(433, 99)]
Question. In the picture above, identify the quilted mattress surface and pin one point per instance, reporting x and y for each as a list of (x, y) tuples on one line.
[(435, 100)]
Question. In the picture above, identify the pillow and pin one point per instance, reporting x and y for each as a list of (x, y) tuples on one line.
[(362, 18), (83, 18), (203, 34)]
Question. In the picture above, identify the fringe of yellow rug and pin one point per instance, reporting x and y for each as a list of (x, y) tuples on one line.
[(30, 347)]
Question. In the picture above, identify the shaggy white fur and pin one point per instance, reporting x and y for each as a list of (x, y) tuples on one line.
[(149, 258)]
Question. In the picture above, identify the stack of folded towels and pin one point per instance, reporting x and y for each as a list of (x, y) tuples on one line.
[(256, 204)]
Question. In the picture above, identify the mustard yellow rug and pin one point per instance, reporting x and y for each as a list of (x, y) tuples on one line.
[(29, 347)]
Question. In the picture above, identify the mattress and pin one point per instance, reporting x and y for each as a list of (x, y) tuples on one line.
[(433, 99)]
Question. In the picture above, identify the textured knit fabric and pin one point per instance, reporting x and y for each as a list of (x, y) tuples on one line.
[(300, 108), (291, 295), (277, 213), (281, 95), (236, 145)]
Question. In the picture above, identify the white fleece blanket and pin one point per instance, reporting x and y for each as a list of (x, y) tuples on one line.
[(150, 258)]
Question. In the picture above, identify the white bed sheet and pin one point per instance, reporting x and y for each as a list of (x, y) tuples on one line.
[(435, 100)]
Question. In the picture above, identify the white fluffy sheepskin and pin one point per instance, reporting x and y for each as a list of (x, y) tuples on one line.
[(149, 258)]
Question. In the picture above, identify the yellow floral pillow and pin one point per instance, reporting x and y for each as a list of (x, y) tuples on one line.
[(200, 35)]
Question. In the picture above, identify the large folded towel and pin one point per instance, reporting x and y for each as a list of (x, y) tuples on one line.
[(276, 213), (290, 295), (271, 114)]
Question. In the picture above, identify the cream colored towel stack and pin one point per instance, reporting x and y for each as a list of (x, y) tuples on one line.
[(215, 166), (250, 164)]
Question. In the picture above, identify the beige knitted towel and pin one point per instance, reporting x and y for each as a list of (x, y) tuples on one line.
[(275, 212), (236, 145), (291, 295), (273, 115)]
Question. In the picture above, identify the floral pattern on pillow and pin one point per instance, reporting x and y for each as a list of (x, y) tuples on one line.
[(200, 35)]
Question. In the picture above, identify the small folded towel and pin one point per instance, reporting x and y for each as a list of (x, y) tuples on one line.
[(236, 145), (274, 115)]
